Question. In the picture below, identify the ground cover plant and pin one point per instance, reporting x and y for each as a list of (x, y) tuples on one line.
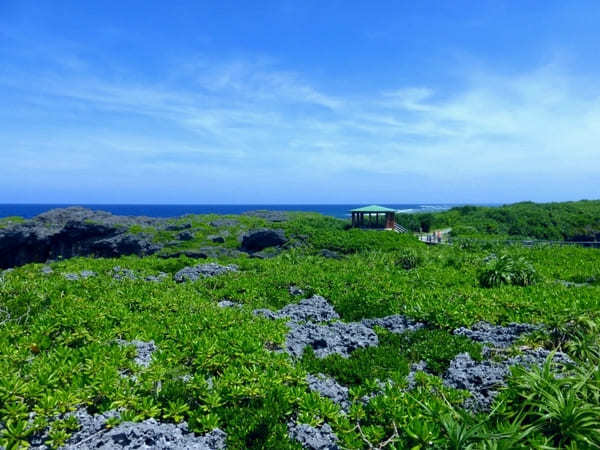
[(221, 367)]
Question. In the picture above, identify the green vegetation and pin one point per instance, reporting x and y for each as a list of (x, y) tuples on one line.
[(550, 221), (566, 410), (58, 348), (392, 358), (8, 221), (507, 270)]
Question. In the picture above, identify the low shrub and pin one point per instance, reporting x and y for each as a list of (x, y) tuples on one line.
[(507, 270)]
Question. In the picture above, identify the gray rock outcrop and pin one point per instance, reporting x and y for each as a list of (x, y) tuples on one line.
[(160, 276), (496, 335), (330, 389), (185, 236), (203, 271), (224, 223), (395, 324), (261, 238), (149, 434), (74, 231), (325, 339), (295, 290), (483, 379), (120, 273), (84, 274), (267, 253), (315, 309), (336, 338), (228, 304), (312, 438), (176, 226), (411, 381)]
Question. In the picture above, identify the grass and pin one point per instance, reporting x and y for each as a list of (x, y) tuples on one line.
[(58, 347)]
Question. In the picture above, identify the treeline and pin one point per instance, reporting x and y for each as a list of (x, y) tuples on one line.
[(571, 221)]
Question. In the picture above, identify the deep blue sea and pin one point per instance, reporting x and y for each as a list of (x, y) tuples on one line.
[(341, 211)]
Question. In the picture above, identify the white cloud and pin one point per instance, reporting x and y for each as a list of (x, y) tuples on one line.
[(243, 118)]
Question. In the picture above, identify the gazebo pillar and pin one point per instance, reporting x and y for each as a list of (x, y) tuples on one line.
[(379, 217)]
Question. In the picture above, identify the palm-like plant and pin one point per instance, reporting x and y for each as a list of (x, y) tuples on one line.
[(508, 270), (566, 410)]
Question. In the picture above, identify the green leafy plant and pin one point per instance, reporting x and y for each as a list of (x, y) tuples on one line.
[(508, 270), (564, 409), (409, 259)]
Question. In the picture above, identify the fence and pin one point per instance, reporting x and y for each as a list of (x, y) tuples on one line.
[(525, 242)]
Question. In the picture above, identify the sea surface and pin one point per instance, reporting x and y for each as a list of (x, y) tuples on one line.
[(342, 211)]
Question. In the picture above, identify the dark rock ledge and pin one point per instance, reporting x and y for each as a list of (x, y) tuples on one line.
[(74, 231)]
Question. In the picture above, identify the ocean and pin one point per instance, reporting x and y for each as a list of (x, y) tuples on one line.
[(341, 211)]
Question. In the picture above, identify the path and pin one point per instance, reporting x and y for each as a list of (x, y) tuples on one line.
[(435, 237)]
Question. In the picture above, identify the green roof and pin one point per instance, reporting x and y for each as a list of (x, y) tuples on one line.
[(373, 209)]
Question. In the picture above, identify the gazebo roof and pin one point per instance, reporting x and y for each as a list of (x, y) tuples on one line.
[(373, 209)]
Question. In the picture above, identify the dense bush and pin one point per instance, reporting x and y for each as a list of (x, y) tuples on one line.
[(507, 270), (421, 222), (549, 221)]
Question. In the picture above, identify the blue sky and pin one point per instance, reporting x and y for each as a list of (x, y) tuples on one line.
[(299, 102)]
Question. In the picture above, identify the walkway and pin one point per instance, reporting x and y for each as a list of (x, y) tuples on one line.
[(435, 237)]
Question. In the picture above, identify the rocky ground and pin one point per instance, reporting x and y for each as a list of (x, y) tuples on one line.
[(312, 322), (94, 433), (74, 231)]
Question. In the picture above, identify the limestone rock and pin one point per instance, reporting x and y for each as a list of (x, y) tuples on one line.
[(259, 239), (496, 335), (321, 438), (202, 271)]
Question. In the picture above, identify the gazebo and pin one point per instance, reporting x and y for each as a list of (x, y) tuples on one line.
[(376, 217)]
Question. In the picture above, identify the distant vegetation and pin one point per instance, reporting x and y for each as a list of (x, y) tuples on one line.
[(571, 221), (8, 221)]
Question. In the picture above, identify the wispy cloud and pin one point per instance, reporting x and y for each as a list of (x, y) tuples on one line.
[(251, 120)]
